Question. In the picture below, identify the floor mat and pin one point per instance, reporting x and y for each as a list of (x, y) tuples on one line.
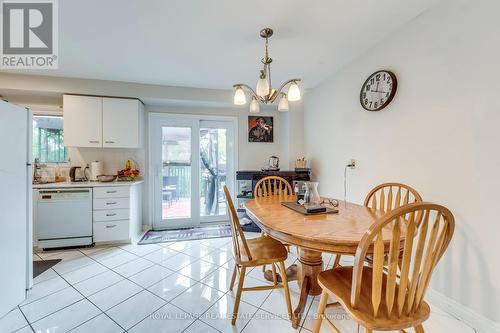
[(163, 236), (40, 266)]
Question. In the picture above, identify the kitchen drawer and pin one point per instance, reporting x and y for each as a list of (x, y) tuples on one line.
[(111, 203), (110, 215), (112, 192), (111, 231)]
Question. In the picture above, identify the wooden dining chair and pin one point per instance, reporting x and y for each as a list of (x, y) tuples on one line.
[(252, 253), (269, 186), (272, 185), (387, 197), (391, 299)]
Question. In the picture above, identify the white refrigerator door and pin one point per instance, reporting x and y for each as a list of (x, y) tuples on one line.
[(13, 205)]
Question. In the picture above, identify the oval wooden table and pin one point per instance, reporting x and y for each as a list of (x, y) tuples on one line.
[(338, 233)]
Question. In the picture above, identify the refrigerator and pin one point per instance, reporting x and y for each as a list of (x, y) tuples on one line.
[(16, 235)]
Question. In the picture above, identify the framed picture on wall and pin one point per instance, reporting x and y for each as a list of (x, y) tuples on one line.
[(260, 129)]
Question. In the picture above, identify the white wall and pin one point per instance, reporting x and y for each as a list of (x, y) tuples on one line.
[(440, 134)]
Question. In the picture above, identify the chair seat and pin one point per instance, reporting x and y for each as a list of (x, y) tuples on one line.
[(264, 250), (338, 282)]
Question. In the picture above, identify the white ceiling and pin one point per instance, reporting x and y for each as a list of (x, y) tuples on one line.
[(214, 44)]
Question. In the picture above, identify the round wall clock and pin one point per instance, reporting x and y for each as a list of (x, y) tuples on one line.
[(378, 90)]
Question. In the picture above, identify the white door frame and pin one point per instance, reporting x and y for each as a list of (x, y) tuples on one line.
[(193, 121)]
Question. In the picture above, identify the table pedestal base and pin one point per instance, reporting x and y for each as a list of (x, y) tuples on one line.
[(306, 274)]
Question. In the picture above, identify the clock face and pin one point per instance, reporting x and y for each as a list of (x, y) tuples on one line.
[(378, 90)]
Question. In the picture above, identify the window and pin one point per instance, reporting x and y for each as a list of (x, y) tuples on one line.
[(48, 139)]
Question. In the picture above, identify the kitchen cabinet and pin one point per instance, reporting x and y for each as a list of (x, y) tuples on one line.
[(121, 122), (117, 213), (82, 121), (91, 121)]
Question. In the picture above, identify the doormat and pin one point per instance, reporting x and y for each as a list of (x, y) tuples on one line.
[(40, 266), (163, 236)]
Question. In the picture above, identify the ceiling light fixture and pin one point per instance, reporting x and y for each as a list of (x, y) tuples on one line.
[(264, 93)]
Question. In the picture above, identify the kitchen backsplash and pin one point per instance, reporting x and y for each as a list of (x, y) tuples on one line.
[(113, 159)]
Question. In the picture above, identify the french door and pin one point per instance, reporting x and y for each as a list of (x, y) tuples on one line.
[(193, 157)]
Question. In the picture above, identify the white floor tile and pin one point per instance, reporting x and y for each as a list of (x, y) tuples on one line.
[(178, 261), (133, 267), (66, 319), (84, 273), (160, 255), (336, 314), (218, 258), (12, 321), (141, 250), (98, 282), (72, 264), (117, 260), (198, 251), (198, 270), (219, 279), (220, 315), (217, 243), (45, 288), (439, 322), (106, 252), (200, 327), (135, 309), (181, 246), (151, 275), (172, 286), (255, 298), (50, 304), (276, 304), (90, 250), (167, 319), (47, 275), (99, 324), (197, 299), (117, 293), (25, 329), (265, 321)]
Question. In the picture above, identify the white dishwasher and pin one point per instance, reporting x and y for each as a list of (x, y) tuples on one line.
[(64, 217)]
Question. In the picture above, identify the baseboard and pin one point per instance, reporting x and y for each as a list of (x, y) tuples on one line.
[(480, 323)]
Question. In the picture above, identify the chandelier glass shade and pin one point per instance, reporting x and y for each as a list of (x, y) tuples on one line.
[(264, 93)]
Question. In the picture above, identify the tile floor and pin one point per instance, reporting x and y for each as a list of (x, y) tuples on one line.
[(170, 287)]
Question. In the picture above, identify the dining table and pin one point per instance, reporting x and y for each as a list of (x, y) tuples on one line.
[(336, 233)]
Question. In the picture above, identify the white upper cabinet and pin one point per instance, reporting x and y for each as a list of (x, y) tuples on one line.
[(102, 122), (82, 121), (121, 119)]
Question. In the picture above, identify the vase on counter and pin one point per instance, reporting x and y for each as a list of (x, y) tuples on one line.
[(311, 197)]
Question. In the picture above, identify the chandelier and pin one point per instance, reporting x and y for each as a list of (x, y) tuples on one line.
[(264, 93)]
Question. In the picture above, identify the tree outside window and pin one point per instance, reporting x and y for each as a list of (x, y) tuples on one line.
[(48, 139)]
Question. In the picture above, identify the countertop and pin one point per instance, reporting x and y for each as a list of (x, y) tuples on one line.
[(85, 184)]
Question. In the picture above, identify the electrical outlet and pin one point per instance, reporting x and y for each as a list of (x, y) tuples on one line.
[(351, 164)]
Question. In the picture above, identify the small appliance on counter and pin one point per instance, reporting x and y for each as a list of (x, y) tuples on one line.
[(96, 169), (79, 174), (273, 164)]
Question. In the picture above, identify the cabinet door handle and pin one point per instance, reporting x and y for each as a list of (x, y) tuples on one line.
[(109, 142), (111, 226), (111, 203), (94, 141), (111, 214)]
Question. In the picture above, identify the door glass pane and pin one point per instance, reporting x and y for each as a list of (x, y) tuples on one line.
[(176, 173), (213, 164)]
